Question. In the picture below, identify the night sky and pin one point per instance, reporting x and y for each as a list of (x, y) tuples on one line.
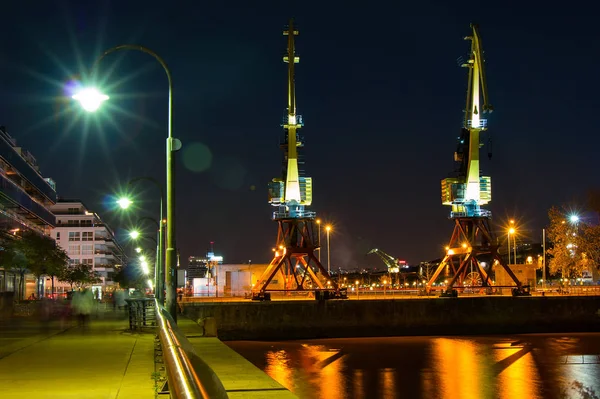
[(379, 88)]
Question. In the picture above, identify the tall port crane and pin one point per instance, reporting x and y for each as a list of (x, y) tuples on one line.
[(291, 195), (467, 191)]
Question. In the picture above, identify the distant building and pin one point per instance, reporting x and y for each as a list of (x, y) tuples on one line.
[(231, 280), (25, 198), (202, 267), (87, 239)]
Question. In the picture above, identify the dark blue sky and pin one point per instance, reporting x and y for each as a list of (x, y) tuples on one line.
[(379, 88)]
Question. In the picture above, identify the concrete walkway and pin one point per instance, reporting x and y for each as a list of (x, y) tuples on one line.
[(103, 361), (241, 379)]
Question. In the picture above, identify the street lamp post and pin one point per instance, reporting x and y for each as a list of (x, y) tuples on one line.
[(515, 247), (328, 229), (544, 259), (160, 273), (91, 100), (508, 243), (319, 237)]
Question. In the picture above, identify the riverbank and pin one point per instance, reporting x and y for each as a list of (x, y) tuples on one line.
[(286, 320)]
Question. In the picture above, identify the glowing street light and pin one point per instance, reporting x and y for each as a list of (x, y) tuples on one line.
[(90, 98), (574, 218), (144, 265), (138, 250), (134, 234), (124, 202)]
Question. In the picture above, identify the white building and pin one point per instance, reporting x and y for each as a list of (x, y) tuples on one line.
[(86, 239)]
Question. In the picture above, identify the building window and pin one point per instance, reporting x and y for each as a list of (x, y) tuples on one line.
[(58, 235), (86, 222), (87, 249), (74, 250), (73, 211), (73, 262), (74, 236), (87, 236), (87, 261)]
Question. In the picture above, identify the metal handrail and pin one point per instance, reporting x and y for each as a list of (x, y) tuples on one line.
[(189, 377)]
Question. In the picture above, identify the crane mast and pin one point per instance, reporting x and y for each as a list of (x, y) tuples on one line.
[(468, 191), (292, 192)]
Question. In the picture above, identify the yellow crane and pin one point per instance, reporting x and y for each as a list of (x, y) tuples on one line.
[(472, 250)]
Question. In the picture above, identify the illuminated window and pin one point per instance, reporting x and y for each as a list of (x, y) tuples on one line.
[(74, 250), (87, 249)]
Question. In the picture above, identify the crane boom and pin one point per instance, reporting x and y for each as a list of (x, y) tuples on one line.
[(292, 192), (292, 183), (466, 192), (391, 262)]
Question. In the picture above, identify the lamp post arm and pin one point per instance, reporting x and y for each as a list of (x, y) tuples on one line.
[(160, 61), (153, 181), (149, 219), (173, 145)]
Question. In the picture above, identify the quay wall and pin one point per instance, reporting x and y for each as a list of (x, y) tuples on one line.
[(284, 320)]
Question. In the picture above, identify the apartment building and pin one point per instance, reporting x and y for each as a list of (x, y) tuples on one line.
[(25, 198), (87, 239)]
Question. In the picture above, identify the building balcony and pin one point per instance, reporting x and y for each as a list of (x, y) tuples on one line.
[(103, 238), (60, 223), (9, 153), (15, 198)]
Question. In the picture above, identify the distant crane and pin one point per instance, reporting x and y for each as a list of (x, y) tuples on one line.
[(291, 194), (467, 191), (392, 263)]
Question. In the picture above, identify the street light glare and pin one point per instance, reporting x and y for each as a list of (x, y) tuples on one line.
[(90, 99), (124, 202), (328, 228), (138, 250), (511, 231), (134, 234), (574, 218)]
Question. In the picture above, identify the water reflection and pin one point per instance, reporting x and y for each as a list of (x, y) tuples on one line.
[(527, 366)]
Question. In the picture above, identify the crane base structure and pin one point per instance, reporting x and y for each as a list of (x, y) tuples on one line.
[(472, 238), (296, 262)]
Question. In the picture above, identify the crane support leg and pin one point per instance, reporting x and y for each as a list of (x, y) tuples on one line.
[(471, 240), (299, 268)]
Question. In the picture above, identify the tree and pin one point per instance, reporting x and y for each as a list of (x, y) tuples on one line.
[(16, 263), (79, 274), (574, 245), (42, 255), (124, 277)]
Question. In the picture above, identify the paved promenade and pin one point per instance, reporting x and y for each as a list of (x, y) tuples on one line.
[(50, 360)]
